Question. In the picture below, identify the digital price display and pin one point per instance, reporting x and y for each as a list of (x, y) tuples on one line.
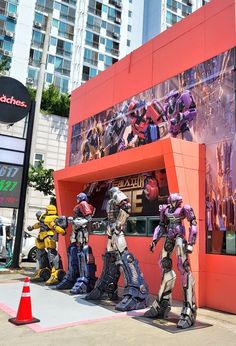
[(10, 185)]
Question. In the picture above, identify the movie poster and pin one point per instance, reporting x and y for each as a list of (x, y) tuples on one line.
[(196, 105), (147, 192)]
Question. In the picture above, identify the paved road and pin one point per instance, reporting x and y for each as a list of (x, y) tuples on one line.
[(111, 328)]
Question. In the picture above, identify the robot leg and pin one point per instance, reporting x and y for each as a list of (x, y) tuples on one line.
[(87, 268), (107, 284), (73, 269), (162, 305), (136, 290), (189, 311), (57, 274), (43, 272)]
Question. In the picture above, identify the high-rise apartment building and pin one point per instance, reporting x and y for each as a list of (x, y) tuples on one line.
[(86, 36)]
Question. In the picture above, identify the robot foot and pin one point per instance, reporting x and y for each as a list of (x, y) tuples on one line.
[(56, 277), (158, 310), (129, 303), (97, 294), (41, 275), (65, 284), (187, 318), (79, 288)]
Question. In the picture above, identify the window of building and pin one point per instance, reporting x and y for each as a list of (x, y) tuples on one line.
[(10, 26), (55, 23), (104, 24), (49, 78), (130, 14), (128, 43), (57, 5), (7, 45), (51, 59), (101, 57), (53, 41), (12, 8), (37, 159), (129, 28), (33, 74), (102, 40), (104, 8)]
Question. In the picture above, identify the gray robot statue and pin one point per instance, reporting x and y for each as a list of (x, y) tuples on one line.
[(118, 259)]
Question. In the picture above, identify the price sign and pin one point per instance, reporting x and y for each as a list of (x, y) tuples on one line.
[(10, 185)]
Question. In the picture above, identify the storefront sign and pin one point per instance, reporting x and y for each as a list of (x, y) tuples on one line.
[(147, 192), (15, 100), (10, 185)]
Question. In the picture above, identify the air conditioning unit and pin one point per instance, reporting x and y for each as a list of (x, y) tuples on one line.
[(29, 81), (38, 25), (116, 35), (7, 53), (118, 20), (9, 34), (11, 15)]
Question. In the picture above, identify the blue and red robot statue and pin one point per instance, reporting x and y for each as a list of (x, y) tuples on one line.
[(173, 232), (118, 258), (80, 277)]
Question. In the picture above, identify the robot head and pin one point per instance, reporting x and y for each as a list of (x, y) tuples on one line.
[(113, 191), (51, 209), (39, 214), (81, 197), (175, 200)]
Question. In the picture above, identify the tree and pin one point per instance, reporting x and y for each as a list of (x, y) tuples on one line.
[(53, 101), (4, 64), (41, 179)]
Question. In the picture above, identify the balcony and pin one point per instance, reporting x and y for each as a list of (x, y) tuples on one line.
[(66, 35), (37, 44), (92, 44), (112, 51), (63, 71), (95, 11), (34, 62), (91, 61), (93, 27), (62, 52), (85, 76)]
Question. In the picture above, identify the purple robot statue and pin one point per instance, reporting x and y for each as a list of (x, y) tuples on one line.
[(173, 232), (118, 259), (180, 110)]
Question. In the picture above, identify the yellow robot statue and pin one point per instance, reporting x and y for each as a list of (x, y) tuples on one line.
[(49, 263)]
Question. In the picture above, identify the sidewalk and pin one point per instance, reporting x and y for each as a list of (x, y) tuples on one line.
[(70, 320)]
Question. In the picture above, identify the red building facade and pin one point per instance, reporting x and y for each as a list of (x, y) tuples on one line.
[(115, 138)]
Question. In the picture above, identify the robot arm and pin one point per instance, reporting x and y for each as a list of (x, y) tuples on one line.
[(35, 226), (192, 229), (59, 225), (159, 231)]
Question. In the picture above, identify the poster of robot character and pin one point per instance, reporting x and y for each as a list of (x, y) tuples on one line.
[(147, 192), (196, 105)]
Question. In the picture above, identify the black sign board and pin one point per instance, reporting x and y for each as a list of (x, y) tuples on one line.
[(15, 101), (10, 185)]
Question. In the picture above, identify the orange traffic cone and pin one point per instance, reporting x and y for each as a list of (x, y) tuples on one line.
[(24, 313)]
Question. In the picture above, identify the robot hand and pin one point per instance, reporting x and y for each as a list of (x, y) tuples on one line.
[(189, 248), (30, 228), (70, 219), (152, 246)]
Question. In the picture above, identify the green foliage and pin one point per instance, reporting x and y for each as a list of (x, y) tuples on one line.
[(4, 64), (53, 101), (41, 179), (32, 92)]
